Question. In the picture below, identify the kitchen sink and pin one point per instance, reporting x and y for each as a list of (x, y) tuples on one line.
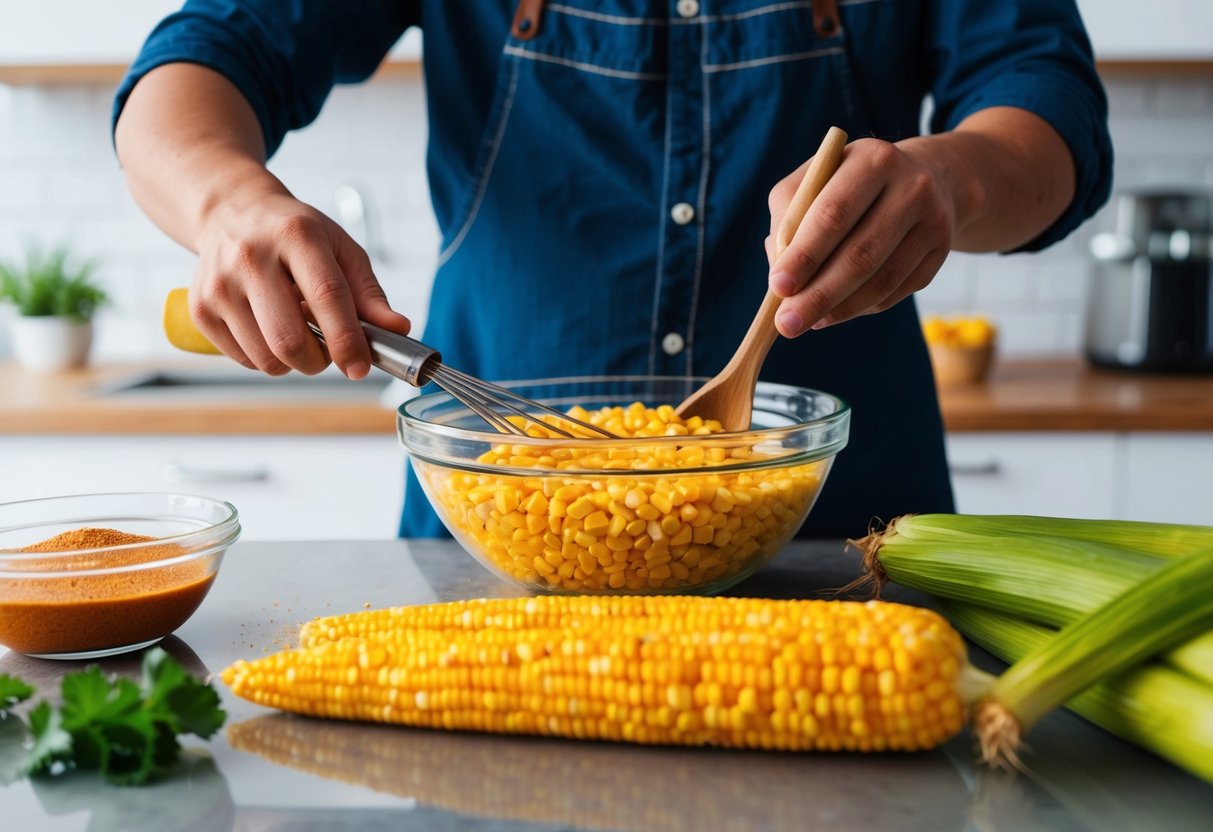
[(242, 385)]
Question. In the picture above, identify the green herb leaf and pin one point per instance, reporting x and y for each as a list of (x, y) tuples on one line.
[(196, 707), (52, 744), (127, 731), (13, 691), (132, 751), (89, 698), (161, 675), (189, 706)]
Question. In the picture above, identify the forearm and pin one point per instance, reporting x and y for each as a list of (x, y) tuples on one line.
[(188, 141), (1011, 176)]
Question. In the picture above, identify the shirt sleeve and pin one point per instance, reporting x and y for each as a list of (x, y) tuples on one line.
[(1034, 55), (284, 57)]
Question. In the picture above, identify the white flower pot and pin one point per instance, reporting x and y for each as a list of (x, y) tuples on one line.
[(50, 343)]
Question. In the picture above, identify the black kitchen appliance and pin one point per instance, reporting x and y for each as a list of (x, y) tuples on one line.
[(1150, 298)]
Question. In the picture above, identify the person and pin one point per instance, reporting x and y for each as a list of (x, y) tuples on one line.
[(606, 176)]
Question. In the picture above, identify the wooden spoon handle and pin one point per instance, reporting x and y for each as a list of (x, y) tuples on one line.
[(821, 168), (762, 333)]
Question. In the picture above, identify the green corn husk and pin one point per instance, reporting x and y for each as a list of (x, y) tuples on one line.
[(1046, 580), (1164, 540), (1165, 609), (1152, 706)]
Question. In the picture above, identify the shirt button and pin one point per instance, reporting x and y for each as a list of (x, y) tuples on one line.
[(688, 8), (672, 343), (682, 213)]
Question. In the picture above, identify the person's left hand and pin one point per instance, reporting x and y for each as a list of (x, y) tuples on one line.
[(877, 232)]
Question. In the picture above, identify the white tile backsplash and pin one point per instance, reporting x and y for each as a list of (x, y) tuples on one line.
[(60, 182)]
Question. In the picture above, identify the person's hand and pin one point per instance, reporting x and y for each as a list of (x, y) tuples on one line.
[(262, 256), (877, 232)]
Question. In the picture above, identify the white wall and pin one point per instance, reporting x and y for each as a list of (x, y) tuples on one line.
[(59, 181)]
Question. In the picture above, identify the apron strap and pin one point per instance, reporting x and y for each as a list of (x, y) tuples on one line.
[(526, 19), (825, 17)]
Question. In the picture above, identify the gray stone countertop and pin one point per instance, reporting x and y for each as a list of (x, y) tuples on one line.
[(292, 773)]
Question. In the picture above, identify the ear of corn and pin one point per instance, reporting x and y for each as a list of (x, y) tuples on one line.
[(1166, 608), (1051, 581), (1153, 705), (1164, 540), (743, 673)]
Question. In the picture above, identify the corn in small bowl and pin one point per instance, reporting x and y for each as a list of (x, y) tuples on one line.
[(672, 506)]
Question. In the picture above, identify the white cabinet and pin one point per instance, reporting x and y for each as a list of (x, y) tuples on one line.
[(1169, 477), (1161, 477), (285, 488), (1057, 474)]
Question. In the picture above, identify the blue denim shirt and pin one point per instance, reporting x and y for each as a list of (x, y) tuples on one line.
[(601, 188)]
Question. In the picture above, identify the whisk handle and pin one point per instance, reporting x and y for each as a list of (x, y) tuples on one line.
[(396, 354)]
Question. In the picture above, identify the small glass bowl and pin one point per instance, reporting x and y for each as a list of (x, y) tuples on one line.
[(666, 515), (91, 602)]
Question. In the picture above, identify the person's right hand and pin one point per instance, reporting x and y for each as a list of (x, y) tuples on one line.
[(262, 258)]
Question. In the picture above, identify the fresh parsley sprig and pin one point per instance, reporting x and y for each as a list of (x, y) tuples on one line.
[(125, 730), (13, 692)]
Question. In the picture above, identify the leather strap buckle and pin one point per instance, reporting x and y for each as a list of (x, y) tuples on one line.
[(526, 19), (825, 18)]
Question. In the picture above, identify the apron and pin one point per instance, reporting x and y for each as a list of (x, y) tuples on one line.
[(607, 214)]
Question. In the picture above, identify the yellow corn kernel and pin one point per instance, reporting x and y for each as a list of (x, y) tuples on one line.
[(596, 523)]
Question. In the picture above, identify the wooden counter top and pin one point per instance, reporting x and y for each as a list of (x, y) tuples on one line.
[(1043, 395), (1071, 395), (70, 403)]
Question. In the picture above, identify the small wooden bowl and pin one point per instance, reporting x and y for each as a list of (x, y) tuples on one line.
[(960, 366)]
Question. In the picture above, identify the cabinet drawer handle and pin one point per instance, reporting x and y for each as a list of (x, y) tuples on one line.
[(176, 473), (976, 468)]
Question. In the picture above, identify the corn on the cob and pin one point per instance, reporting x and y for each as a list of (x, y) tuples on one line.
[(1164, 540), (1049, 580), (1152, 705), (745, 673), (1166, 608)]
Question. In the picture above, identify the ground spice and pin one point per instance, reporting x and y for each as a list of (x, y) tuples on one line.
[(77, 613)]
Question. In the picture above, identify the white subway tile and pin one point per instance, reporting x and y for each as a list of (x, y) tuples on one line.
[(22, 189), (80, 186), (1062, 283), (1178, 173), (1028, 333), (1004, 280), (1183, 98), (1128, 96), (1161, 137), (1070, 331)]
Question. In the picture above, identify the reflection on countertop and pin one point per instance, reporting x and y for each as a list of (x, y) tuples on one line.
[(611, 786)]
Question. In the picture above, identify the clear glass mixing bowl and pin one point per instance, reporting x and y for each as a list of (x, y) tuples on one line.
[(656, 515)]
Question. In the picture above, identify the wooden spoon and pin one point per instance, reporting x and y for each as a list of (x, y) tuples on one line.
[(729, 397)]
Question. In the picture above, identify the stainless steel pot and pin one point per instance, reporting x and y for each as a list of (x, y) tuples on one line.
[(1150, 298)]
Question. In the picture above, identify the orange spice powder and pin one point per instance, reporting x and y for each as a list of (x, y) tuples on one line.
[(78, 613)]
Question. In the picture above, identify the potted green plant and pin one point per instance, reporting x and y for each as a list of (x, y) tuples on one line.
[(55, 302)]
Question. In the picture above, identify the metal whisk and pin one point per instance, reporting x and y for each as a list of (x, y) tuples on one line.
[(414, 362)]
